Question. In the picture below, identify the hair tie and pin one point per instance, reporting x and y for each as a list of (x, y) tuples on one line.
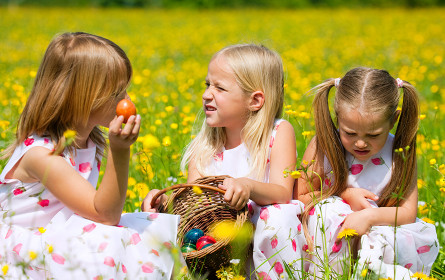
[(337, 82), (399, 83)]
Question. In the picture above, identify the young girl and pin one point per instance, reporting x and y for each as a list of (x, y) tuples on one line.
[(55, 223), (242, 136), (360, 161)]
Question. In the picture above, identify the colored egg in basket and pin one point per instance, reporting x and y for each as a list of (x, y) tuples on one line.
[(205, 242), (187, 248), (192, 236)]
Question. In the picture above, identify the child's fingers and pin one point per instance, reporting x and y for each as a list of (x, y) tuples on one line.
[(370, 195), (137, 125)]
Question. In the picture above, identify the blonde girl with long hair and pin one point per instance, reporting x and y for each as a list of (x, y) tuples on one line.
[(364, 179), (55, 223), (244, 137)]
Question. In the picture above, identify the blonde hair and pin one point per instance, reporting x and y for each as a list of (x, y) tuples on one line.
[(371, 91), (256, 68), (79, 73)]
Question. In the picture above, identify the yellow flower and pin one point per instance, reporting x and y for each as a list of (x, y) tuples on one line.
[(42, 230), (419, 275), (347, 232), (422, 116), (158, 122), (4, 124), (32, 255), (167, 141), (197, 190), (69, 134), (432, 161), (295, 174), (50, 248), (169, 108), (142, 189), (5, 269), (239, 277), (364, 272), (428, 220), (150, 142), (174, 126), (224, 230), (131, 194), (423, 209), (131, 181)]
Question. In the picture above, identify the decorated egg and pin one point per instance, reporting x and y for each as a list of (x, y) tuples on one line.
[(187, 248), (207, 245), (202, 241), (193, 235)]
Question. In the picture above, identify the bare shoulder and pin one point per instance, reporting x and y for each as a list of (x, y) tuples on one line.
[(35, 162), (285, 130)]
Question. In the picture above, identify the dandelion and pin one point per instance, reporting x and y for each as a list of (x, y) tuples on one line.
[(225, 273), (42, 229), (49, 248), (174, 126), (432, 161), (239, 277), (5, 269), (347, 233), (150, 142), (422, 116), (158, 122), (364, 272), (427, 220), (166, 141), (69, 135), (197, 190), (32, 255), (419, 275), (169, 109), (295, 174)]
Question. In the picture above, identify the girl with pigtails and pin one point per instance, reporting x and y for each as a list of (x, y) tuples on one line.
[(362, 180)]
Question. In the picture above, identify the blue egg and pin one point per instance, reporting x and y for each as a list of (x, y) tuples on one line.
[(193, 235)]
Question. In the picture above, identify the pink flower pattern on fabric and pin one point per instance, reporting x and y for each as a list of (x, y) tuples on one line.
[(356, 169), (148, 267), (29, 141), (58, 258), (378, 161), (85, 167), (264, 214)]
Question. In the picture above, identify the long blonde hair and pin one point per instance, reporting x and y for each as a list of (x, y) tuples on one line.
[(373, 91), (256, 68), (79, 73)]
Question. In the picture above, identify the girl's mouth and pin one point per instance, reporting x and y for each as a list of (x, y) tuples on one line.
[(362, 153), (209, 108)]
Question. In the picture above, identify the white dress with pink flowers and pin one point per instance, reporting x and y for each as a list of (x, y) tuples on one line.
[(40, 238), (416, 245), (278, 236)]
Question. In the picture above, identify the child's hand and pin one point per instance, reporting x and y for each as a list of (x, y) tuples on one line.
[(360, 221), (123, 137), (357, 198), (146, 204), (237, 194)]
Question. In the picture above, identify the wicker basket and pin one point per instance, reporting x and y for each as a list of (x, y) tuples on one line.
[(202, 210)]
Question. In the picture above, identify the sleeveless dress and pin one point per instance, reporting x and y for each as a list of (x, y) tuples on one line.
[(416, 246), (278, 236), (40, 238)]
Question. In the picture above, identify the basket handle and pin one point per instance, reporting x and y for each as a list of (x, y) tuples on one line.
[(178, 186)]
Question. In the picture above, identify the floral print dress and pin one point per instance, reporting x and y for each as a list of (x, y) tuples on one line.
[(40, 238), (278, 236), (416, 245)]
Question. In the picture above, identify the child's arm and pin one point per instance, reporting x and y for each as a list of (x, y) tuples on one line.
[(104, 205), (308, 187), (363, 220), (357, 198), (279, 189)]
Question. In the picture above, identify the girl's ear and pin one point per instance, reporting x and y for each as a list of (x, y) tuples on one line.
[(395, 117), (256, 101)]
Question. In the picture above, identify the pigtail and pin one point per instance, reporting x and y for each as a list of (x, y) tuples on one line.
[(404, 170), (328, 144)]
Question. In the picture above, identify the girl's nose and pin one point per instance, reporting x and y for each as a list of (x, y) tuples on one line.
[(207, 95), (361, 144)]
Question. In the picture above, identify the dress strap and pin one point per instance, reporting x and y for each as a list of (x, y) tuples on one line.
[(272, 136)]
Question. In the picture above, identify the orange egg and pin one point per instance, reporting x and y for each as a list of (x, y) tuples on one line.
[(125, 108)]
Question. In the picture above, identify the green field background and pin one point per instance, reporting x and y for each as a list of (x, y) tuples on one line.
[(170, 50)]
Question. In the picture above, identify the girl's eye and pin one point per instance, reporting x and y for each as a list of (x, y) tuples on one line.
[(374, 135), (220, 88), (207, 84), (350, 133)]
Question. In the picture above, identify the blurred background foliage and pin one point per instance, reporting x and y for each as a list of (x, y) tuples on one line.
[(226, 3)]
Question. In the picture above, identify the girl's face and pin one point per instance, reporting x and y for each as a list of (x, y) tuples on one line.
[(363, 135), (225, 104)]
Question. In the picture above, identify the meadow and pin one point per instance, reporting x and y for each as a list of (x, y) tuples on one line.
[(170, 50)]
